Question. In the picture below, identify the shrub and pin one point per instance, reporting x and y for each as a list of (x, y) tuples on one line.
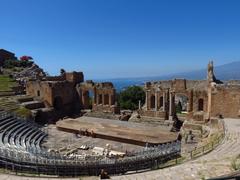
[(179, 108), (129, 98), (11, 63)]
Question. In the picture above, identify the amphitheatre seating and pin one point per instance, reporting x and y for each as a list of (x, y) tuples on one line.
[(13, 132), (5, 131), (19, 134), (20, 150)]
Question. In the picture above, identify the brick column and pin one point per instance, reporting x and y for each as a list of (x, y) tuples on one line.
[(147, 100), (103, 101), (110, 97), (156, 101), (164, 104), (170, 105), (97, 98), (209, 109), (94, 96)]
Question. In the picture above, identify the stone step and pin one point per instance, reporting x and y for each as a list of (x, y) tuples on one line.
[(147, 118), (25, 99), (43, 110), (33, 105)]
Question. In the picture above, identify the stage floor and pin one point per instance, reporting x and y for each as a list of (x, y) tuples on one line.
[(127, 132)]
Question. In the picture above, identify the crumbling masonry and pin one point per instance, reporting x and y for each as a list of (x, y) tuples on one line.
[(200, 99), (69, 93)]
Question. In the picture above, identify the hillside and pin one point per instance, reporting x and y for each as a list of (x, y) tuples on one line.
[(6, 83), (230, 71)]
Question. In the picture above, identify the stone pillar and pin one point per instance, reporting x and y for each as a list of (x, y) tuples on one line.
[(103, 101), (95, 96), (209, 109), (156, 101), (164, 104), (170, 105), (147, 98), (173, 104), (139, 104), (190, 102), (97, 99), (110, 99), (113, 99)]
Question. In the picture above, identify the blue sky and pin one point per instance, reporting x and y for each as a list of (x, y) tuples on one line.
[(122, 38)]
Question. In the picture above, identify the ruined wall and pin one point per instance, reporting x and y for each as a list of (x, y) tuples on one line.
[(104, 96), (47, 91), (226, 101), (64, 90), (75, 77), (56, 90), (40, 90), (163, 96), (54, 78), (157, 97), (197, 97), (179, 85), (5, 55)]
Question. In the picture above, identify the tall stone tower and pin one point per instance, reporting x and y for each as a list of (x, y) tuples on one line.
[(210, 74), (212, 81)]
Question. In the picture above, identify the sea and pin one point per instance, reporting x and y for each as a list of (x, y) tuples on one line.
[(122, 83)]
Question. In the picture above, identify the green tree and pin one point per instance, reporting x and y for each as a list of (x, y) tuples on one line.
[(62, 71), (11, 63), (179, 108), (130, 97)]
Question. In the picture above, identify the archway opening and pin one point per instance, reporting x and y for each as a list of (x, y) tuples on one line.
[(87, 99), (161, 101), (106, 99), (200, 104), (58, 103), (152, 104), (181, 103), (100, 99)]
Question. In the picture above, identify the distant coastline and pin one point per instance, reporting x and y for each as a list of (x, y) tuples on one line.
[(224, 72)]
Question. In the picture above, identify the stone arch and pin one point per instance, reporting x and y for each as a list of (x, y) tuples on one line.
[(152, 102), (58, 103), (200, 104), (183, 100)]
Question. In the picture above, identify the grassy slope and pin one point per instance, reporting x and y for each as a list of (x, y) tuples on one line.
[(6, 83)]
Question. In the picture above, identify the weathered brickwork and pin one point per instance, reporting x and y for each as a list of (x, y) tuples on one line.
[(103, 96), (226, 101), (5, 55), (205, 98), (60, 94), (69, 92), (200, 99)]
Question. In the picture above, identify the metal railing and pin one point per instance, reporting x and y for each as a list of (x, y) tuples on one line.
[(201, 150), (33, 161)]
